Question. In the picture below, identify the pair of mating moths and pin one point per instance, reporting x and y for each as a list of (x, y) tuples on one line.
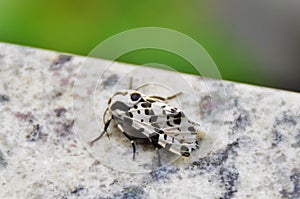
[(150, 117)]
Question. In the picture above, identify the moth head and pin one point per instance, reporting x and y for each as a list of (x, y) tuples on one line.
[(135, 96), (129, 97)]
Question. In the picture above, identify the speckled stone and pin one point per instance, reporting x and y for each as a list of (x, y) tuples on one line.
[(42, 155)]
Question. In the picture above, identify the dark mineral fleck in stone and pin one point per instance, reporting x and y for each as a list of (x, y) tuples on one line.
[(77, 191), (229, 177), (206, 104), (35, 134), (241, 122), (134, 192), (4, 98), (295, 192), (29, 117), (226, 171), (163, 173), (60, 111), (216, 159), (277, 138), (3, 162), (283, 120), (110, 81), (297, 140), (61, 60), (68, 126)]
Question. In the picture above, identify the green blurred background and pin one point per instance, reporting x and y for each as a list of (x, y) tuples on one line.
[(78, 26)]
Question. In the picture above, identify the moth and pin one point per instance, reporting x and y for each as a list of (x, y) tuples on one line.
[(139, 116)]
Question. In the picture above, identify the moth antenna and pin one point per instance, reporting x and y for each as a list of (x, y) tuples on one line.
[(104, 114), (166, 98), (130, 83), (141, 86), (106, 125)]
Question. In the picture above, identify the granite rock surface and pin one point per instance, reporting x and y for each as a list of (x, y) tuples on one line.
[(252, 148)]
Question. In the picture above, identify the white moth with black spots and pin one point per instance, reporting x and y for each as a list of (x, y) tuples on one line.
[(150, 117)]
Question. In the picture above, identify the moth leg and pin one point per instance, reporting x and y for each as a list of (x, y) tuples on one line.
[(142, 86), (103, 118), (154, 137), (130, 83), (166, 98), (104, 122), (131, 141), (173, 96), (106, 125), (158, 157)]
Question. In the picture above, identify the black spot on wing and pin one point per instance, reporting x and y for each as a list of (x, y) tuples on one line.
[(153, 119), (157, 129), (169, 124), (197, 145), (120, 106), (142, 100), (146, 105), (146, 111), (149, 112), (173, 110), (178, 115), (192, 129), (165, 136), (184, 150), (181, 140), (177, 121), (154, 139)]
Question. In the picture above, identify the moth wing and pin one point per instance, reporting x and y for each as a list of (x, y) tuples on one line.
[(161, 118)]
